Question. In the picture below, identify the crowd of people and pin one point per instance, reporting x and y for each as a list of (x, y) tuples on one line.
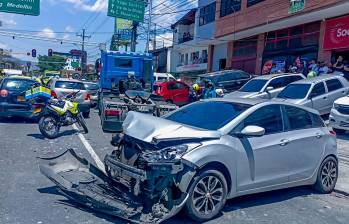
[(313, 68)]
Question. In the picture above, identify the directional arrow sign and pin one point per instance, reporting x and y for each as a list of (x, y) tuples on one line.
[(127, 9), (26, 7)]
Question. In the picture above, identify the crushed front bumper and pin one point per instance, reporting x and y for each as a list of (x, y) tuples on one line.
[(84, 183)]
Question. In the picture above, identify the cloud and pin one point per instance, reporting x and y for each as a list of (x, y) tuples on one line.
[(7, 20), (47, 32), (97, 6), (164, 39), (3, 46)]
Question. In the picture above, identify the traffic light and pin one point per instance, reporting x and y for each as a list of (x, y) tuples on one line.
[(50, 52), (34, 53)]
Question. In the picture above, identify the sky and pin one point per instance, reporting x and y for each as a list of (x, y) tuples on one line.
[(64, 19)]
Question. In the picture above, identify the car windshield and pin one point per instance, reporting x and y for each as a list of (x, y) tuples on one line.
[(254, 85), (91, 86), (294, 91), (70, 85), (135, 93), (17, 84), (210, 115)]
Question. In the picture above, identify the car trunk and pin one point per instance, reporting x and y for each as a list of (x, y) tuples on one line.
[(16, 101)]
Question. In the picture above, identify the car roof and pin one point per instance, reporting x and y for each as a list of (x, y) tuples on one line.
[(317, 79), (211, 74), (262, 102), (68, 80), (19, 77), (276, 75)]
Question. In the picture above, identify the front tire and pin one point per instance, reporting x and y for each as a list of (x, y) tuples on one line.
[(207, 195), (327, 176), (82, 122), (49, 126)]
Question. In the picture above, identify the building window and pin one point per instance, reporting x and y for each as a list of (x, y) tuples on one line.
[(230, 6), (253, 2), (245, 48), (294, 37), (204, 56), (207, 14)]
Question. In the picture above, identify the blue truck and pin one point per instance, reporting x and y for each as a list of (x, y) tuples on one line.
[(113, 102)]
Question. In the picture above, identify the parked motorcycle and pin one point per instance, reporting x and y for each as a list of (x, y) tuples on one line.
[(58, 113)]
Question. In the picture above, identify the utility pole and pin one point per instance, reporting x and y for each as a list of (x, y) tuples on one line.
[(154, 42), (134, 36), (149, 25), (83, 59)]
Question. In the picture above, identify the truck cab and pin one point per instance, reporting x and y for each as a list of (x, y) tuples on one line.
[(115, 67)]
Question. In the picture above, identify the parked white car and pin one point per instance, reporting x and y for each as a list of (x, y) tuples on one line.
[(339, 117)]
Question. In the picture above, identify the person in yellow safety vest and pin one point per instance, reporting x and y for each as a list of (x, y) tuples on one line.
[(43, 80)]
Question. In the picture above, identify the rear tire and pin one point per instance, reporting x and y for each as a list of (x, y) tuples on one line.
[(47, 129), (207, 195), (82, 122), (327, 176)]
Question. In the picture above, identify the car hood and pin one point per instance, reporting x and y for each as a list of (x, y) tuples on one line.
[(240, 94), (152, 129), (343, 101)]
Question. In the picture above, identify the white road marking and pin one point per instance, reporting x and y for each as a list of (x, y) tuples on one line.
[(90, 150)]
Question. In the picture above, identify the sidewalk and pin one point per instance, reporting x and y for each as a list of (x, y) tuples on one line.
[(343, 178)]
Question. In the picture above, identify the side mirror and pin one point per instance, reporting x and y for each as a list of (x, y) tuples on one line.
[(269, 88), (252, 131)]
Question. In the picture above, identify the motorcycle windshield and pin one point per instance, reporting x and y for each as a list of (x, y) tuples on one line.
[(132, 94)]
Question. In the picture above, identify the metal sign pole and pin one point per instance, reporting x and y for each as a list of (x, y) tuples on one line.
[(149, 25)]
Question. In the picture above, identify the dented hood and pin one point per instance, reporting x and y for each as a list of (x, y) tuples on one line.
[(148, 128)]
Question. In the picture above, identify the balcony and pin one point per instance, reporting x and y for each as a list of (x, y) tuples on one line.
[(185, 39)]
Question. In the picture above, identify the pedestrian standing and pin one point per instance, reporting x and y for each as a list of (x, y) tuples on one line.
[(346, 69), (338, 66)]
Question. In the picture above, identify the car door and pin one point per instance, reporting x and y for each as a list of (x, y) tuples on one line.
[(266, 154), (335, 90), (318, 98), (306, 142), (182, 96), (277, 84)]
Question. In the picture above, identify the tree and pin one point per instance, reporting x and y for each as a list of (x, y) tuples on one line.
[(53, 63)]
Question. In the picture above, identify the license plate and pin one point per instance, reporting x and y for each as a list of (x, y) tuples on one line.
[(143, 108), (20, 99), (37, 110)]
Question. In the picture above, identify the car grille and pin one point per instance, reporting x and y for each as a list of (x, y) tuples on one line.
[(343, 109)]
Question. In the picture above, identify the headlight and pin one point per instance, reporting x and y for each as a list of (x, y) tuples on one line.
[(169, 154), (335, 106)]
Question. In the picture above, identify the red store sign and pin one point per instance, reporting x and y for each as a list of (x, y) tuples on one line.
[(337, 33)]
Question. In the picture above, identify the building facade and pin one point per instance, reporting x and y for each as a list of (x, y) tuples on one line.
[(251, 34), (192, 35)]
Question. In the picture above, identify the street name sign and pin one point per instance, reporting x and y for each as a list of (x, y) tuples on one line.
[(25, 7), (127, 9)]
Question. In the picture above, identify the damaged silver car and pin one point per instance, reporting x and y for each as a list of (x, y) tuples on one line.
[(199, 156)]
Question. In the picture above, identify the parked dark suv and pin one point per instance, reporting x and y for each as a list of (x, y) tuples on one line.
[(228, 80)]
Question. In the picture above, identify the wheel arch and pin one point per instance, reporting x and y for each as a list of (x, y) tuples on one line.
[(221, 168)]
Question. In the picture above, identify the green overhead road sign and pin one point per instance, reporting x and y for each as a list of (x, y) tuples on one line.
[(26, 7), (127, 9)]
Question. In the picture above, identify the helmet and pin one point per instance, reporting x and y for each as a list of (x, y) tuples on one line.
[(196, 87), (131, 74), (219, 92)]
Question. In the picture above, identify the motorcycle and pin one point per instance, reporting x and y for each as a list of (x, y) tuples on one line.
[(58, 113)]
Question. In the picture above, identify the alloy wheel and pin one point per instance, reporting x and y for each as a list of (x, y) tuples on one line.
[(208, 195), (329, 175)]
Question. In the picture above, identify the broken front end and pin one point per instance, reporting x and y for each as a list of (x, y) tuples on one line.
[(140, 182)]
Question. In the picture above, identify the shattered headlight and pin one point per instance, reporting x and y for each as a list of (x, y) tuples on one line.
[(169, 153)]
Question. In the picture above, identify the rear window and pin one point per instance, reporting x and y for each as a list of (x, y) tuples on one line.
[(69, 85), (211, 115), (17, 84), (123, 63), (91, 86)]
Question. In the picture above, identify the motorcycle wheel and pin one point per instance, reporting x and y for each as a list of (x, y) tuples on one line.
[(49, 126), (82, 122)]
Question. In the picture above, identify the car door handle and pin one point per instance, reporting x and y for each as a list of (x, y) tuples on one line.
[(284, 142), (325, 98), (318, 135)]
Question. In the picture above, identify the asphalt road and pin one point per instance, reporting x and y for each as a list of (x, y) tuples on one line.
[(28, 197)]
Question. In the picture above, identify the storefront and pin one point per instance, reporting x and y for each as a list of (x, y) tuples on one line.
[(336, 38), (298, 45)]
